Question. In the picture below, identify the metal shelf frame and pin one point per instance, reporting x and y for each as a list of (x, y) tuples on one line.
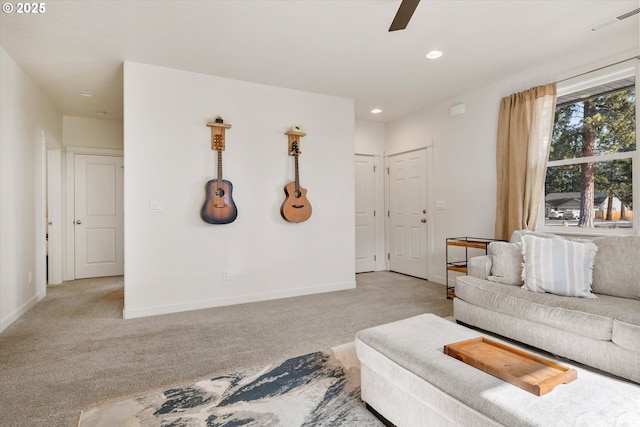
[(467, 243)]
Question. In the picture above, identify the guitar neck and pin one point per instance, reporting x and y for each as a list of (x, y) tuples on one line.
[(219, 167), (297, 174)]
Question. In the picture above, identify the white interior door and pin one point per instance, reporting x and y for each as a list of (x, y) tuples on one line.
[(54, 216), (99, 216), (408, 213), (365, 213)]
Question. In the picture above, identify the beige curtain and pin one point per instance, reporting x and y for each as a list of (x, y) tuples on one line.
[(525, 125)]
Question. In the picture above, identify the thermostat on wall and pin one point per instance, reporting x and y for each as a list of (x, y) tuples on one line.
[(456, 110)]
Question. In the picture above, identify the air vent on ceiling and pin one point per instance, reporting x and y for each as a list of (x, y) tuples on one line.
[(613, 20)]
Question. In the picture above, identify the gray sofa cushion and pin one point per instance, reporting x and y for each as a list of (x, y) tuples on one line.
[(592, 318), (616, 269), (480, 266), (507, 263), (627, 335), (516, 236)]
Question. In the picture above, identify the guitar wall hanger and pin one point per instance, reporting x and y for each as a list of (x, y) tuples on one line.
[(217, 131), (294, 136)]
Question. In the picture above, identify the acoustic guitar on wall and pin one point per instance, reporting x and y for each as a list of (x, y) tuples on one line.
[(296, 207), (219, 207)]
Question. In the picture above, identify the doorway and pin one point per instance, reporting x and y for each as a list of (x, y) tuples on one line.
[(53, 220), (408, 213), (98, 223), (365, 213)]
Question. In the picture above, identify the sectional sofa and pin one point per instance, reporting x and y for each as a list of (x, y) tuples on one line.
[(579, 299)]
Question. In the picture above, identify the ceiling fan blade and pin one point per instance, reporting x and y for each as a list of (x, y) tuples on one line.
[(405, 11)]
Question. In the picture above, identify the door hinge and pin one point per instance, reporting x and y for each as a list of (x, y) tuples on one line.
[(388, 214), (374, 258), (374, 213), (374, 168), (387, 171), (388, 255)]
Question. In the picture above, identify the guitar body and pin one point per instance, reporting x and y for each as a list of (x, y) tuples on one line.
[(296, 207), (219, 207)]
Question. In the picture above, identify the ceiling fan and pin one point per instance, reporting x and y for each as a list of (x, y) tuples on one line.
[(405, 11)]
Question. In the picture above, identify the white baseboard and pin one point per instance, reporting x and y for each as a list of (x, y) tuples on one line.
[(440, 279), (240, 299), (7, 321)]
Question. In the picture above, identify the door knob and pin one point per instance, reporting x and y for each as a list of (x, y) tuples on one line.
[(423, 220), (78, 222)]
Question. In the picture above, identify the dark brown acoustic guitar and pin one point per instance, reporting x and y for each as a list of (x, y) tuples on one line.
[(296, 207), (219, 207)]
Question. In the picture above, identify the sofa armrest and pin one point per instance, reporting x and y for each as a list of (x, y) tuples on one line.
[(480, 266)]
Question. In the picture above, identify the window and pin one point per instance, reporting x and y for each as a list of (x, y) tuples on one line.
[(590, 184)]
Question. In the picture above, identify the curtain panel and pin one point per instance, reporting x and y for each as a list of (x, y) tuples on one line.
[(525, 125)]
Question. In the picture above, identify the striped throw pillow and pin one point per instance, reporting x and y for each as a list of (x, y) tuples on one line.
[(558, 266)]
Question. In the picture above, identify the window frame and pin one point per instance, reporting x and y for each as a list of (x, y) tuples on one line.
[(582, 82)]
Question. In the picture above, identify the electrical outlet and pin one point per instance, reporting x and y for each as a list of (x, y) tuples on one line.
[(225, 275)]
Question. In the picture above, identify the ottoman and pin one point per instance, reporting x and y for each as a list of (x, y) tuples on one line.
[(408, 379)]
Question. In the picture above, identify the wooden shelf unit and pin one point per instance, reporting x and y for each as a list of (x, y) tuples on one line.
[(461, 266)]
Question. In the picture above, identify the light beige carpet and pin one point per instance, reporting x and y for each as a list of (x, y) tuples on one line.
[(72, 351)]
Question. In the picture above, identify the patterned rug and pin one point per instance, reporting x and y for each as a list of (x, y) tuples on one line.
[(316, 389)]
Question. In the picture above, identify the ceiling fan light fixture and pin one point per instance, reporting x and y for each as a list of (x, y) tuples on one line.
[(376, 111), (434, 54)]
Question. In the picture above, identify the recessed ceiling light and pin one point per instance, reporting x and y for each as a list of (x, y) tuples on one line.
[(434, 54), (101, 113), (86, 93), (376, 111)]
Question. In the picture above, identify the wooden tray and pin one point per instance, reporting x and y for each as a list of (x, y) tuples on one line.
[(527, 371)]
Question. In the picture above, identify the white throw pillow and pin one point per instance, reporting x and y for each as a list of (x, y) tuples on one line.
[(558, 266), (507, 263)]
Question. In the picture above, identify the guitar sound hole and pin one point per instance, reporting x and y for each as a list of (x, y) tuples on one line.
[(219, 192), (297, 194)]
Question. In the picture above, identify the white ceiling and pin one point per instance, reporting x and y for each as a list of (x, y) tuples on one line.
[(335, 47)]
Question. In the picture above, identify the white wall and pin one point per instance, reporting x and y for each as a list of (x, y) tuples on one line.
[(94, 133), (173, 260), (28, 121), (370, 138)]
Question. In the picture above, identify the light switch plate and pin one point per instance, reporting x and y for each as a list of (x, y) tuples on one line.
[(156, 206)]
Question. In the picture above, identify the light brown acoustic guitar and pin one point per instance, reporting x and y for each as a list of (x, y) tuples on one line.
[(296, 207), (219, 207)]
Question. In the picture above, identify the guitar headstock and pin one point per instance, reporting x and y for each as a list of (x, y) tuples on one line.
[(218, 142), (295, 150)]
